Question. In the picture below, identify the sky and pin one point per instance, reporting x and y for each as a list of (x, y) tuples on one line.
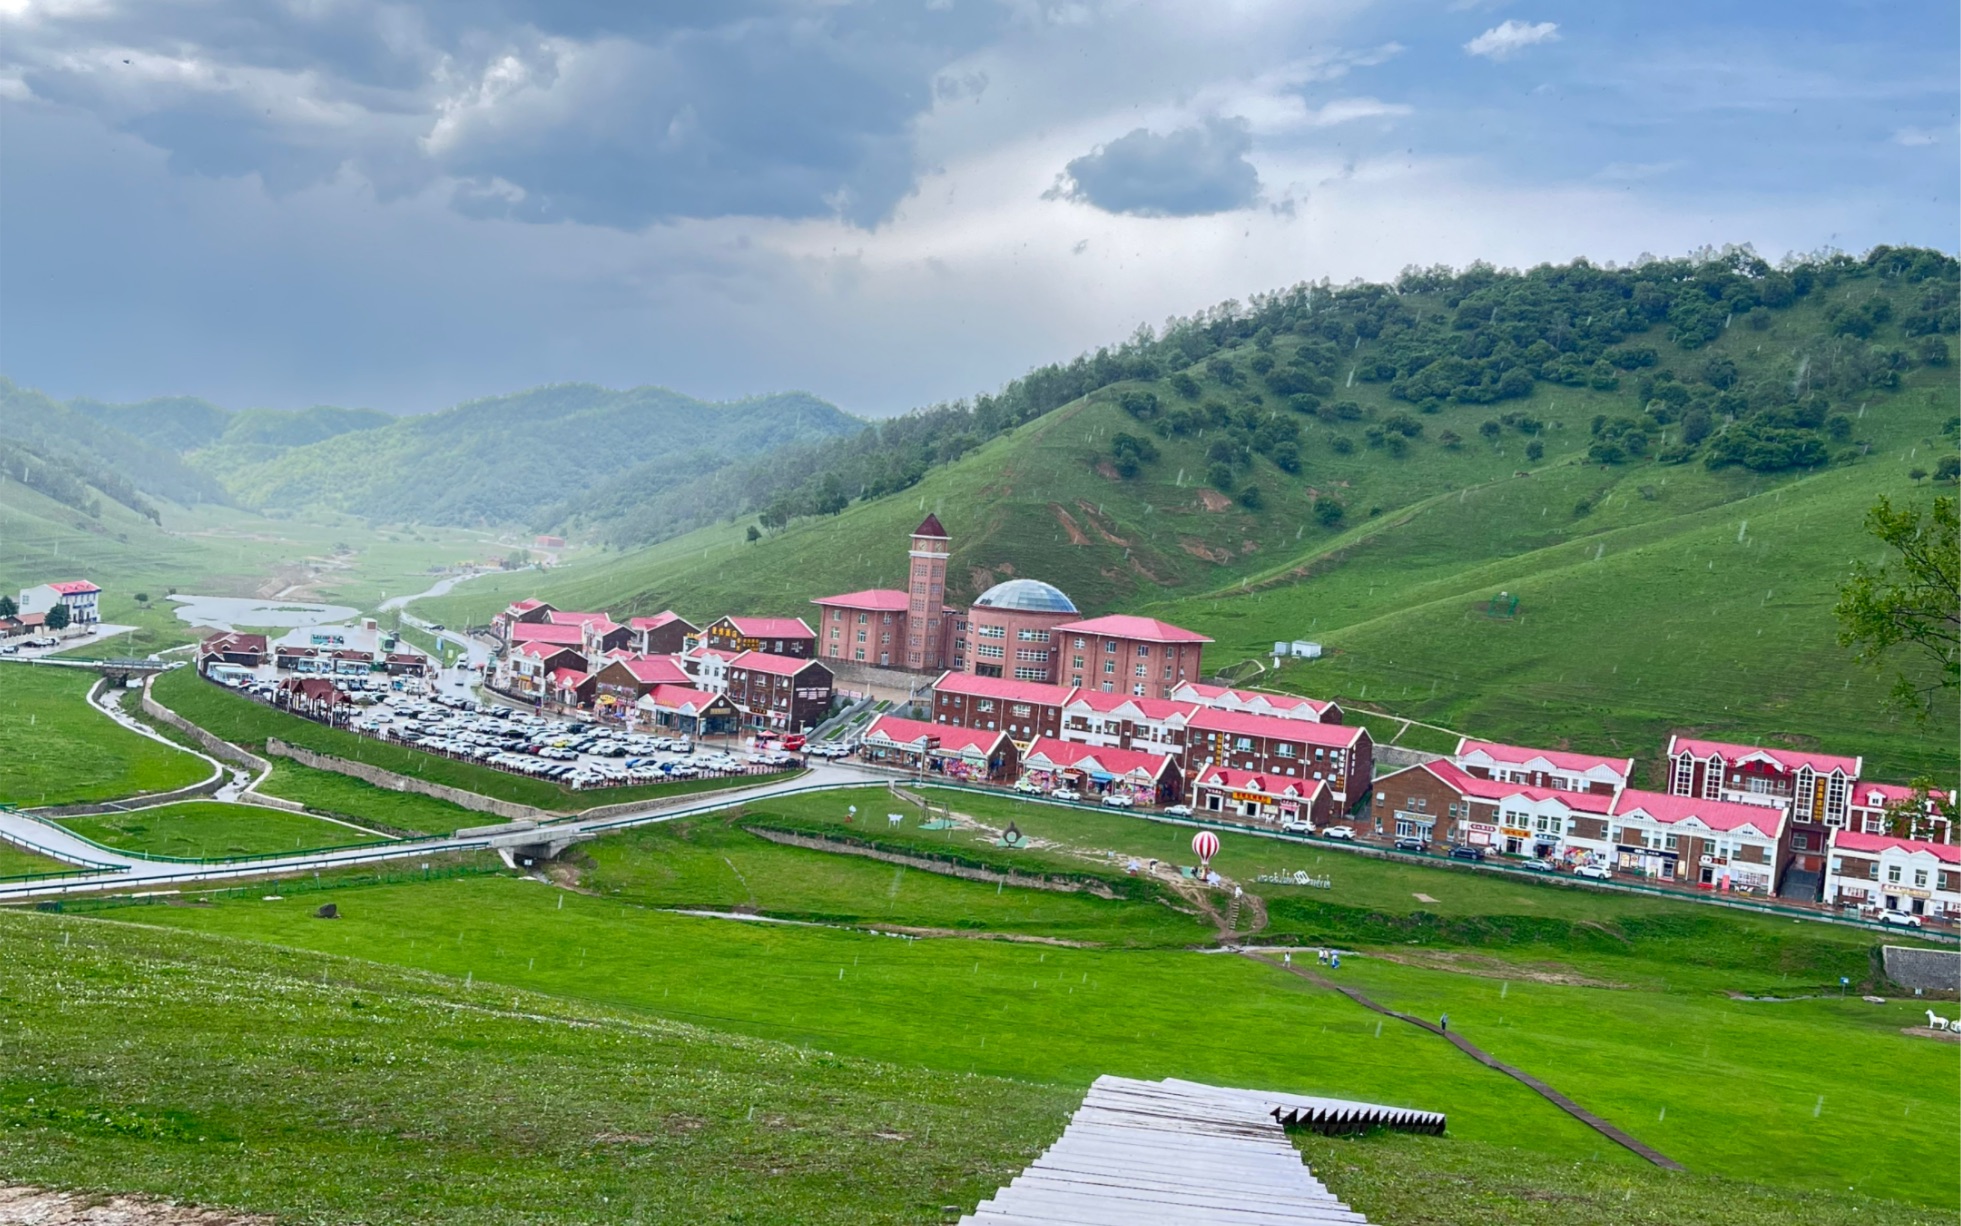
[(278, 203)]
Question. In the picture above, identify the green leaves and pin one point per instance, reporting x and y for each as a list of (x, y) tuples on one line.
[(1913, 601)]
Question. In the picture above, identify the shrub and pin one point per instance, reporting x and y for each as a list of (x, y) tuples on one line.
[(1535, 450), (1329, 513), (1341, 444)]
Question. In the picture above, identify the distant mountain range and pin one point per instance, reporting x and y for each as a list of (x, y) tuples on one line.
[(537, 458)]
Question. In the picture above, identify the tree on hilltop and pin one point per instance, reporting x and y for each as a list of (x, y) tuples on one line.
[(1912, 601)]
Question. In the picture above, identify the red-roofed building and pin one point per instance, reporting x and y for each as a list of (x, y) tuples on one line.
[(1257, 798), (680, 708), (568, 635), (912, 629), (709, 667), (527, 669), (1259, 702), (1123, 654), (1717, 844), (79, 595), (1340, 756), (1153, 725), (1543, 768), (664, 634), (1024, 710), (570, 687), (519, 613), (316, 698), (1815, 787), (867, 627), (780, 692), (1879, 872), (598, 633), (1154, 778), (1896, 809), (405, 664), (958, 753), (244, 650), (623, 680), (779, 636), (1441, 802)]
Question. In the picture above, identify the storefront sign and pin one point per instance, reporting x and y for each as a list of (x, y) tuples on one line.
[(1252, 797)]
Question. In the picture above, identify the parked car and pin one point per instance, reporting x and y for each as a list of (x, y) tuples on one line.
[(1028, 787), (1114, 801), (1339, 832), (1596, 872), (1295, 825), (1899, 919), (1410, 842), (1539, 865), (1066, 794), (1464, 851), (1178, 810)]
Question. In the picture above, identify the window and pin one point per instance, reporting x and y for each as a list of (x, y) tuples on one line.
[(1109, 666), (1110, 647), (1243, 744), (1077, 664), (1143, 670), (1032, 636), (985, 704), (1669, 842), (1138, 689), (1079, 644), (1283, 750), (1033, 655), (1076, 681), (991, 632), (1143, 651), (1893, 873), (988, 651), (1920, 878), (1031, 674), (1106, 687), (1020, 710)]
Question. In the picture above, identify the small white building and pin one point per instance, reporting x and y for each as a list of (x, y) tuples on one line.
[(1882, 872), (78, 594)]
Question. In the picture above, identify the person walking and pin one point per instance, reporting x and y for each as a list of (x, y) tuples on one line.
[(1443, 1023)]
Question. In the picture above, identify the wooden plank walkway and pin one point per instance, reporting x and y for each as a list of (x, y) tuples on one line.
[(1485, 1058), (1185, 1154)]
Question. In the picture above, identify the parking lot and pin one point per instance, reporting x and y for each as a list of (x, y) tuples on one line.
[(571, 752)]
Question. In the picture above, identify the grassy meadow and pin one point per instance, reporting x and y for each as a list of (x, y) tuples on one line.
[(359, 801), (55, 749), (20, 862), (213, 830), (1633, 1006)]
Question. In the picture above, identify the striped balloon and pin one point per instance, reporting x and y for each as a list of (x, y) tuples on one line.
[(1205, 845)]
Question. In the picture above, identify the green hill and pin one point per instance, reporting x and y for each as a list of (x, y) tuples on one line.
[(1667, 465)]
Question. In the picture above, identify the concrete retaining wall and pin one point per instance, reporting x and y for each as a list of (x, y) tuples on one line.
[(510, 811), (222, 750), (1931, 970), (1400, 757), (132, 802), (945, 868)]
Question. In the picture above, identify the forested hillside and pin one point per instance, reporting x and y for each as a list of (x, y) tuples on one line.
[(1682, 449)]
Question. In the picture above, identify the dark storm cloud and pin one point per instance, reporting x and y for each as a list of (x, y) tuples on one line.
[(618, 114), (1188, 172)]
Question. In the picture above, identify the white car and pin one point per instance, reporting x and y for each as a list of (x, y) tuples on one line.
[(1065, 794), (1178, 811), (1338, 832), (1027, 787), (1118, 802), (1900, 919), (1597, 872)]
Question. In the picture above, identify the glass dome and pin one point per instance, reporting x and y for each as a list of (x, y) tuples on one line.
[(1027, 596)]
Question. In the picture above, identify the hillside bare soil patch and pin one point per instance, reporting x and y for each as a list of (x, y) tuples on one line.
[(1465, 963), (26, 1206)]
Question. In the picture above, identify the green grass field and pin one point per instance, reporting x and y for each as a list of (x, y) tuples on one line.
[(359, 801), (20, 862), (244, 722), (1627, 1003), (56, 749), (210, 830)]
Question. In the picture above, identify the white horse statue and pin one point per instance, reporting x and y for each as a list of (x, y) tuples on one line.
[(1936, 1022)]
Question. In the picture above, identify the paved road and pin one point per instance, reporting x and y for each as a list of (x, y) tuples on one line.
[(128, 872)]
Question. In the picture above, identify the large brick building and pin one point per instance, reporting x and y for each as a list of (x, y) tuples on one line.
[(1814, 788), (1024, 710), (1123, 654), (1883, 872), (1011, 631), (1339, 756), (914, 629), (779, 636)]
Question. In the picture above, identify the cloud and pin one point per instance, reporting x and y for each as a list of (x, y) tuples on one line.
[(616, 114), (1915, 137), (1634, 172), (1348, 110), (1188, 172), (1511, 37)]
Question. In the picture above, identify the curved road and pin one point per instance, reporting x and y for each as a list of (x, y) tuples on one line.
[(130, 872)]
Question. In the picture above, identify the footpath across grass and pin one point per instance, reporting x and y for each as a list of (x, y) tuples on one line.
[(212, 830), (243, 721), (224, 1073), (55, 749)]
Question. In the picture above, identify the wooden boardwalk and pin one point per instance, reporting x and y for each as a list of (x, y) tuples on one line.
[(1185, 1154)]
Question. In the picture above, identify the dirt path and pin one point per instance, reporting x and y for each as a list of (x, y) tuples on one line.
[(40, 1207)]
